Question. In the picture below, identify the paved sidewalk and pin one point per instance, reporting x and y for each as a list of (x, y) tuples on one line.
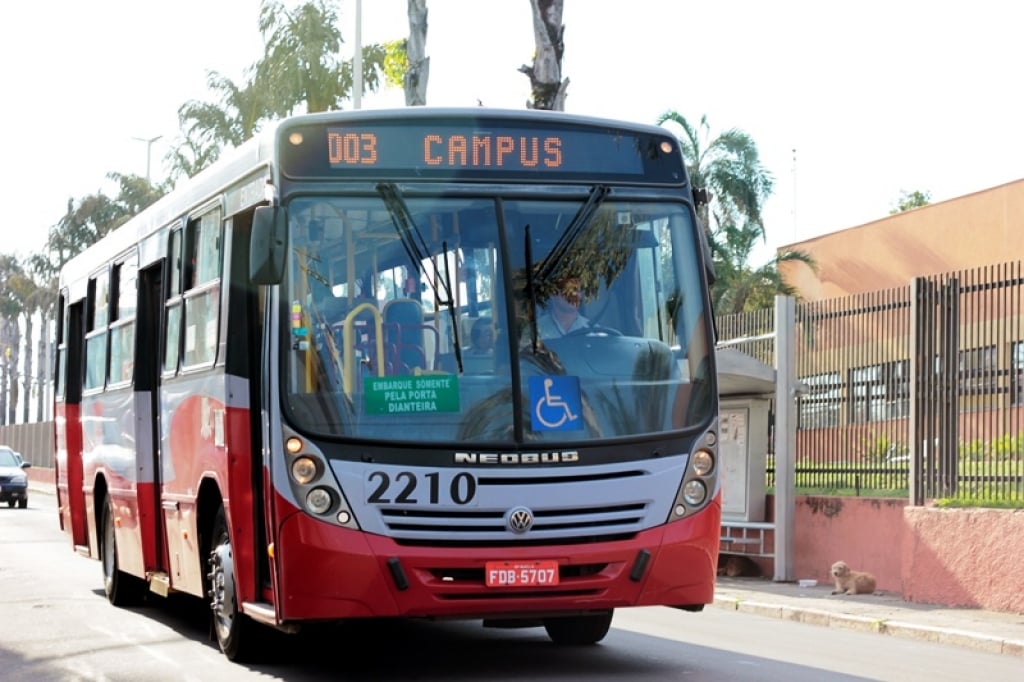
[(883, 613)]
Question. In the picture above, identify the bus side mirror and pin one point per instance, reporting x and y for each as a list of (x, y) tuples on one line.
[(269, 245)]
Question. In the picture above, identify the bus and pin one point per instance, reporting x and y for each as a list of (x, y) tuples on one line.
[(271, 392)]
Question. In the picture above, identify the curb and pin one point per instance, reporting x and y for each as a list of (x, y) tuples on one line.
[(895, 628)]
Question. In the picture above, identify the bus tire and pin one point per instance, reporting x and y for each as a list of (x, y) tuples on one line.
[(121, 589), (579, 630), (237, 635)]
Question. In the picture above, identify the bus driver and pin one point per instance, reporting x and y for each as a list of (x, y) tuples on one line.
[(562, 314)]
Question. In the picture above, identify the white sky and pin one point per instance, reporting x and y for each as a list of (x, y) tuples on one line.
[(875, 97)]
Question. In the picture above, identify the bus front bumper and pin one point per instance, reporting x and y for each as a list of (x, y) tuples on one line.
[(329, 573)]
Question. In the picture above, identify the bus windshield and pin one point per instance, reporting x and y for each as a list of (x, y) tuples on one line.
[(428, 318)]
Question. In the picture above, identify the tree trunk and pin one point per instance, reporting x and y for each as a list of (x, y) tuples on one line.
[(415, 49), (9, 374), (547, 88), (14, 333), (46, 361), (27, 374)]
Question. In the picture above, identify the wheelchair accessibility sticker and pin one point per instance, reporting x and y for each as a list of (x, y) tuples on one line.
[(555, 403)]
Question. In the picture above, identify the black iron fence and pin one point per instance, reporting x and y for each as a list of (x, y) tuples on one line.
[(916, 391)]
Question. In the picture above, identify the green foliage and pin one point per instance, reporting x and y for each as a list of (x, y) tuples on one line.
[(987, 503), (300, 70), (396, 62), (880, 449), (1002, 447), (89, 219), (910, 200)]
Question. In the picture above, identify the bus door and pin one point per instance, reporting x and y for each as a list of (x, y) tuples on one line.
[(69, 430), (147, 382)]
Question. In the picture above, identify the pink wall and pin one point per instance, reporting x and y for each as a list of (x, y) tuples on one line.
[(964, 557), (41, 475), (864, 532), (952, 557)]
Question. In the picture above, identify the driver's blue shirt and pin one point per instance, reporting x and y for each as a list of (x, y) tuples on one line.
[(548, 327)]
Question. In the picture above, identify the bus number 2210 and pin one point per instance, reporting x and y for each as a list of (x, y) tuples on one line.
[(406, 487)]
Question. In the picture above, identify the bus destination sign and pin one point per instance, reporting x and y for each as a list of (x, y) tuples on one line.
[(451, 148), (477, 150)]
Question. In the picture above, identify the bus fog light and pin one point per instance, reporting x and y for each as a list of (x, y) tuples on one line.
[(694, 492), (344, 517), (703, 462), (680, 510), (304, 470), (318, 500)]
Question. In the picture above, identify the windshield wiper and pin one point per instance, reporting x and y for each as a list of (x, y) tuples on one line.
[(531, 292), (598, 193), (416, 248)]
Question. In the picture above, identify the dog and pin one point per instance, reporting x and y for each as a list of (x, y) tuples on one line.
[(849, 581), (737, 566)]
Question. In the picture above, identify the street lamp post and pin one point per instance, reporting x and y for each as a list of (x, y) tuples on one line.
[(149, 149), (357, 60)]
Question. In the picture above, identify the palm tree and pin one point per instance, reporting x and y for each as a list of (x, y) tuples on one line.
[(729, 167), (738, 286), (11, 274)]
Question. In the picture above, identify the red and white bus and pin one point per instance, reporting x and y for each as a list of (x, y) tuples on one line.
[(275, 389)]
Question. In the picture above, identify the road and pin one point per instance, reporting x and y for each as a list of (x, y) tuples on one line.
[(56, 625)]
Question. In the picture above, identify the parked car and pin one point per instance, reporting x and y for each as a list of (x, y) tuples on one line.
[(13, 479)]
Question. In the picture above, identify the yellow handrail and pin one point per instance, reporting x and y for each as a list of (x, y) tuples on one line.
[(350, 343)]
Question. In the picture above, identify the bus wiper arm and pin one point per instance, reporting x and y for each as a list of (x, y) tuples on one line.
[(531, 292), (452, 315), (404, 225), (416, 248), (598, 193)]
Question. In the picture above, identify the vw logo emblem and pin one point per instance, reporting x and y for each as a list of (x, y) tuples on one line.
[(519, 520)]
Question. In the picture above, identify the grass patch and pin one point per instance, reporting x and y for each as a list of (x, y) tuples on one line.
[(957, 503)]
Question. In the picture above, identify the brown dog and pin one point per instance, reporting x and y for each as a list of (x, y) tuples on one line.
[(849, 581)]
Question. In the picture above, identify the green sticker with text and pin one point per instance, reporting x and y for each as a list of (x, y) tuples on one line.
[(411, 394)]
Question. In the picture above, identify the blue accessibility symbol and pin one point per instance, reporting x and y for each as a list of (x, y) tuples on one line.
[(555, 404)]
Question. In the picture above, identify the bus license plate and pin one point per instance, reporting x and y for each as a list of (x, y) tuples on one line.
[(521, 573)]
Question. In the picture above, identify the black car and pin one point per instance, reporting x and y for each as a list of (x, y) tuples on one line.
[(13, 479)]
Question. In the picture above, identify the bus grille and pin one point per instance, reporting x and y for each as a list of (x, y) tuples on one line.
[(561, 524)]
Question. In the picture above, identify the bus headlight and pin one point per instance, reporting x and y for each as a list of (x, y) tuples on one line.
[(703, 462), (319, 500), (694, 492), (304, 470)]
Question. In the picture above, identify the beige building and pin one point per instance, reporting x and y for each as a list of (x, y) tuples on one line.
[(980, 229)]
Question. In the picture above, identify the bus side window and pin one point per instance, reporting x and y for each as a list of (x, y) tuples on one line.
[(202, 300), (122, 328), (172, 342), (96, 334)]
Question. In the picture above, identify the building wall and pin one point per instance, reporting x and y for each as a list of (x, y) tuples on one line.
[(975, 230)]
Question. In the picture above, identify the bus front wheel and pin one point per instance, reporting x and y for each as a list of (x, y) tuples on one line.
[(579, 630), (237, 634)]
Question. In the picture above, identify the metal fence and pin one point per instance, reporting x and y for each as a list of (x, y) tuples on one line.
[(34, 442), (916, 391)]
